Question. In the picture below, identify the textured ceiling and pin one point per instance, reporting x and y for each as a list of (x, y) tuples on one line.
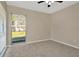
[(33, 5)]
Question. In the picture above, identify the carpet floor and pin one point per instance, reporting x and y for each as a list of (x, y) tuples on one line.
[(42, 49)]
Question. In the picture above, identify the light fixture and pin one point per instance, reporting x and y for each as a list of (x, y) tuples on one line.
[(49, 2)]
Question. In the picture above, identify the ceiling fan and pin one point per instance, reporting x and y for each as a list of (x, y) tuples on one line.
[(49, 2)]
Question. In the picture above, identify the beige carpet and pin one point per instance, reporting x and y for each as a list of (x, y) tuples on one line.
[(42, 49)]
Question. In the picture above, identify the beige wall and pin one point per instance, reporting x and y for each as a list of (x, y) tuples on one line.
[(65, 25), (38, 24)]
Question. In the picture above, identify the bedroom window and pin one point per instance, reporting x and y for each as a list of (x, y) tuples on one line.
[(18, 28)]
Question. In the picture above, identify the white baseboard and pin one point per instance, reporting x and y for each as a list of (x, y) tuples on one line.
[(46, 40), (37, 41), (3, 51), (65, 43)]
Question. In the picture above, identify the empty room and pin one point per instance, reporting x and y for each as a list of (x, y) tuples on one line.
[(39, 28)]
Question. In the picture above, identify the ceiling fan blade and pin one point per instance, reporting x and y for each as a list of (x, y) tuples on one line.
[(59, 1), (41, 1)]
